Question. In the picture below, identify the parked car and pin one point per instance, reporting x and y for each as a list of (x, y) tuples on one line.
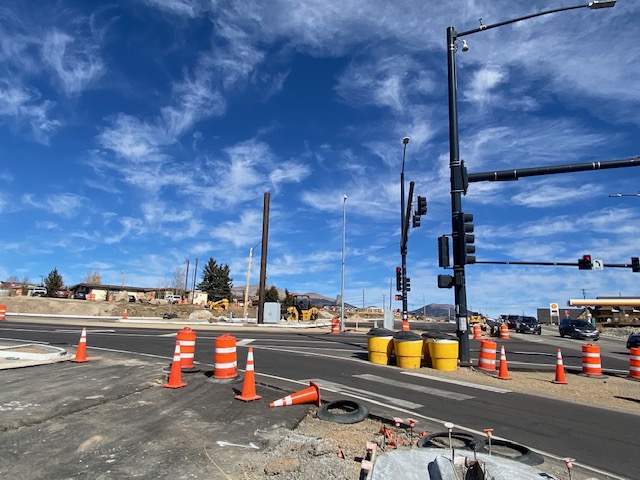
[(633, 341), (510, 320), (39, 292), (132, 298), (528, 325), (578, 329), (62, 294), (80, 295)]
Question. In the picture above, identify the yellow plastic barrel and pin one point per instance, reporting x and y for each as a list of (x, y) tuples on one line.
[(380, 346), (444, 354), (408, 347)]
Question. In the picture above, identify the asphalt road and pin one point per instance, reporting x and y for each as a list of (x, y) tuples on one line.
[(602, 440)]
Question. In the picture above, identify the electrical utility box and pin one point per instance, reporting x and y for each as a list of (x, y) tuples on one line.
[(271, 312)]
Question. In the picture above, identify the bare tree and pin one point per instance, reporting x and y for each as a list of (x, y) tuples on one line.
[(179, 278), (92, 278)]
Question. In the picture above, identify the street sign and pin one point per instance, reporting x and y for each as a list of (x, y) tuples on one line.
[(598, 264)]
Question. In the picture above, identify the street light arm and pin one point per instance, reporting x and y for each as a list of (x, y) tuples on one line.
[(591, 5)]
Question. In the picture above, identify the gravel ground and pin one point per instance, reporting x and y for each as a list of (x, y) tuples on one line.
[(312, 450)]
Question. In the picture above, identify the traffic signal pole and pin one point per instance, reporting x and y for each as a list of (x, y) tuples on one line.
[(457, 187)]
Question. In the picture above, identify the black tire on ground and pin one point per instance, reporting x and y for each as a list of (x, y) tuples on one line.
[(459, 440), (523, 455), (351, 412)]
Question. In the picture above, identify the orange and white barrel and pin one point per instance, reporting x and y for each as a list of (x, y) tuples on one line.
[(487, 358), (591, 366), (3, 311), (187, 339), (634, 362), (225, 360), (477, 332), (335, 325), (504, 331)]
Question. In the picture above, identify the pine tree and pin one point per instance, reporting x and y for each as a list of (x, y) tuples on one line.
[(216, 281), (289, 300), (272, 295), (53, 282)]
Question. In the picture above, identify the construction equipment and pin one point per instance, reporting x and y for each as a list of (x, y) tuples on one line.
[(301, 310), (219, 305)]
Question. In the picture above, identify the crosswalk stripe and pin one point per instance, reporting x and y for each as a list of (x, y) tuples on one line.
[(416, 388), (458, 382), (244, 341), (364, 394)]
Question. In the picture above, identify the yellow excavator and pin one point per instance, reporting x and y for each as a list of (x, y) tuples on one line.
[(301, 309), (219, 305)]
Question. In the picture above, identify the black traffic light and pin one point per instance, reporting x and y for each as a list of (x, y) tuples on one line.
[(422, 206), (635, 264), (445, 281), (416, 221), (407, 284), (585, 263), (398, 278), (399, 298), (443, 251), (465, 229)]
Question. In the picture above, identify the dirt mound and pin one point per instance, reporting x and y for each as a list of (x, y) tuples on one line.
[(64, 306)]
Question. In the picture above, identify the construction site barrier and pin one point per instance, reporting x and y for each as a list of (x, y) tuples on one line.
[(408, 348), (634, 363), (225, 360), (477, 332), (335, 325), (444, 354), (187, 340), (504, 332), (487, 357), (591, 365), (380, 346), (3, 311)]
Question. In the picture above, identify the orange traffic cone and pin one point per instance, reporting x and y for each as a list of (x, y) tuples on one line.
[(503, 371), (249, 385), (308, 395), (124, 315), (560, 378), (81, 352), (175, 377)]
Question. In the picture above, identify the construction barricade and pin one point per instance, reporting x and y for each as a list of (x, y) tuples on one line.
[(504, 331), (487, 357), (591, 366), (380, 345), (477, 332), (634, 363), (225, 361), (408, 349), (335, 325), (187, 340), (444, 353), (3, 311)]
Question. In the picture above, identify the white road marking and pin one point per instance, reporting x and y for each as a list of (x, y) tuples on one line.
[(363, 394), (244, 341), (416, 388), (458, 382), (222, 443)]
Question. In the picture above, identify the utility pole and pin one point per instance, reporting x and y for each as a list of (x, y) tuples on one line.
[(246, 288), (263, 258)]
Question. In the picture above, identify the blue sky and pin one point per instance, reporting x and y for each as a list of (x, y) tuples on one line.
[(136, 135)]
